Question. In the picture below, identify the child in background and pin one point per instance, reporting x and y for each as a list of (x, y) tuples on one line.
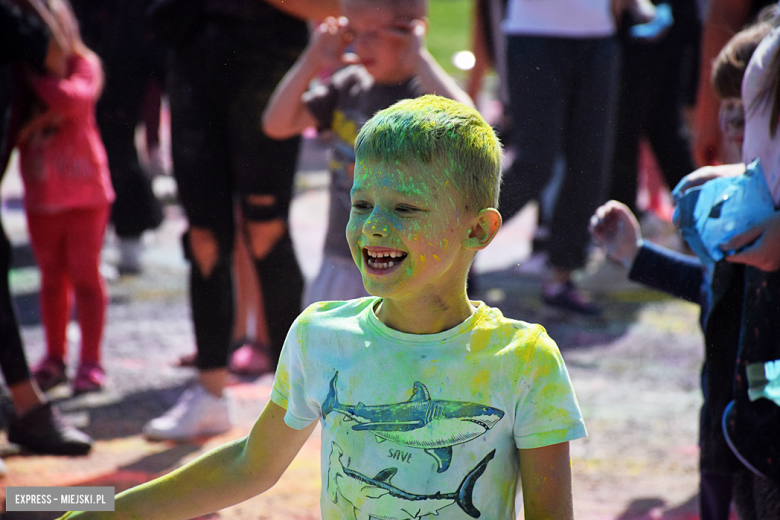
[(615, 227), (390, 63), (67, 197), (720, 294), (464, 400)]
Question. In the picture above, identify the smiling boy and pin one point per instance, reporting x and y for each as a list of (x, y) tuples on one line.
[(431, 405)]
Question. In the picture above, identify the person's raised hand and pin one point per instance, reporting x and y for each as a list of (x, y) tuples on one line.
[(761, 245), (328, 43), (616, 228)]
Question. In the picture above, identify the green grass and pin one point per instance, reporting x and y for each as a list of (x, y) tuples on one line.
[(450, 31)]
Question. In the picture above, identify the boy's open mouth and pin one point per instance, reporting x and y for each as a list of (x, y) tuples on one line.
[(384, 259)]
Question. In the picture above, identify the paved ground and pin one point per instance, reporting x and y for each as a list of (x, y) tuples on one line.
[(635, 371)]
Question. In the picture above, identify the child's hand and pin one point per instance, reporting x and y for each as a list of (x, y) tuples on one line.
[(329, 40), (761, 243), (616, 228)]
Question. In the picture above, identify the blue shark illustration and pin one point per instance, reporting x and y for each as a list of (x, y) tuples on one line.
[(377, 498), (421, 422)]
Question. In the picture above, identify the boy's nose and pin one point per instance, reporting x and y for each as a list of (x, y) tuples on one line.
[(376, 226)]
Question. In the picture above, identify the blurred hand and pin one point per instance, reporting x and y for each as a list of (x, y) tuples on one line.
[(704, 174), (615, 228), (328, 42), (763, 245)]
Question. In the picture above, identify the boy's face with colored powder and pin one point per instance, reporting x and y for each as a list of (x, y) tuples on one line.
[(406, 230)]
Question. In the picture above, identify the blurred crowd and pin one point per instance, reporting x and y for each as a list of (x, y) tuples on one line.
[(590, 92)]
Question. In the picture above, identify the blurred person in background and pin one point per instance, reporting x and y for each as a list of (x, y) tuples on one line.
[(654, 39), (67, 198), (227, 57), (724, 18), (28, 36), (562, 67), (133, 61)]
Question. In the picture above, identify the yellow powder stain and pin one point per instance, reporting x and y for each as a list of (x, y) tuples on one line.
[(422, 258), (481, 338), (435, 257), (479, 382)]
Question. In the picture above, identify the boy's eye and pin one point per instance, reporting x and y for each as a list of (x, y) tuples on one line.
[(406, 209), (361, 205)]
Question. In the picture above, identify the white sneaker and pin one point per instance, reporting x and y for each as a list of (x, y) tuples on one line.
[(130, 250), (196, 413)]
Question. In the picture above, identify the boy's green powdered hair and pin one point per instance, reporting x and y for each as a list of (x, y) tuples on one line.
[(433, 130)]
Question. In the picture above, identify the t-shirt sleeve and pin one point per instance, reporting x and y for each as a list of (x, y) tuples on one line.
[(289, 390), (547, 412), (321, 102)]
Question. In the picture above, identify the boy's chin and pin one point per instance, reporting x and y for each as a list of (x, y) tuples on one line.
[(385, 75)]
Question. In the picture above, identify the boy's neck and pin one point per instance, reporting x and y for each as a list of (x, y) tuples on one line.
[(428, 315)]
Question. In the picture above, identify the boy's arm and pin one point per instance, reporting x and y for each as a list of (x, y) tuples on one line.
[(433, 78), (545, 474), (227, 475), (669, 271), (286, 115)]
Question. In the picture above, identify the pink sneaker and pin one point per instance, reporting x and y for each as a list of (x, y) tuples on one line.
[(250, 359), (49, 372), (89, 378)]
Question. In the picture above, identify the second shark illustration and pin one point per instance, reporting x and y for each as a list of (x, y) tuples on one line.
[(377, 498), (421, 422)]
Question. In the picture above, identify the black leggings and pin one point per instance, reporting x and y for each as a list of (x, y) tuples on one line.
[(12, 360), (563, 104), (218, 92), (650, 107)]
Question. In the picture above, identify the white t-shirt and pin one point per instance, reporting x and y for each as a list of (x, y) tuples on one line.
[(560, 18), (417, 425), (757, 142)]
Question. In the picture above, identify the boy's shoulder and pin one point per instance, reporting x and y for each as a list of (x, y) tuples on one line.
[(509, 334)]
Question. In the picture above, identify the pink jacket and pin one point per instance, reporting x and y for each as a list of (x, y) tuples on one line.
[(66, 167)]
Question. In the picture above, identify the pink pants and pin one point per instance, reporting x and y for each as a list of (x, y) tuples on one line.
[(67, 247)]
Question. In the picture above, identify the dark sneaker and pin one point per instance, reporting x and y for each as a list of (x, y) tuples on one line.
[(186, 361), (567, 296), (251, 360), (89, 378), (43, 430), (49, 372)]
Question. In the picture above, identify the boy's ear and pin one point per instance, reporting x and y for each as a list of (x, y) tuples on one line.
[(483, 229)]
